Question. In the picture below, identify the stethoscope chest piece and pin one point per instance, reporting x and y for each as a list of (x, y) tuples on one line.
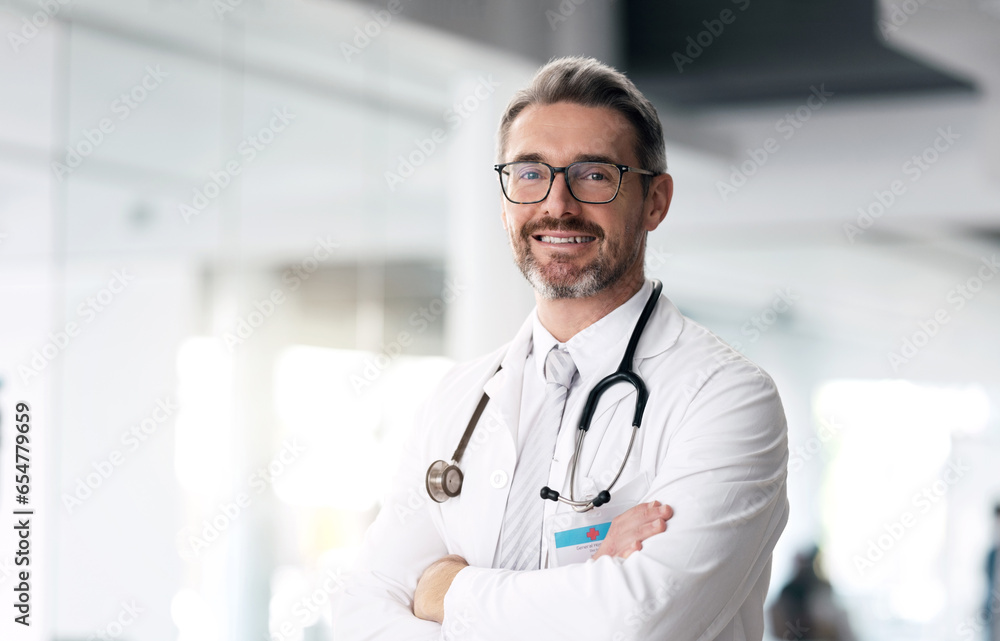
[(444, 481)]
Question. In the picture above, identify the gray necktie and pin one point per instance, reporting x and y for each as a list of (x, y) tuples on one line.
[(522, 527)]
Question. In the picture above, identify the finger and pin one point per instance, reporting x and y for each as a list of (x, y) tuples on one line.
[(652, 528), (635, 547)]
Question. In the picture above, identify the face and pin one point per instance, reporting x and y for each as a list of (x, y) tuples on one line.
[(565, 248)]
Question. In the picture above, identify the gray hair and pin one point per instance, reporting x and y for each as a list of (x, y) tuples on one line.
[(591, 83)]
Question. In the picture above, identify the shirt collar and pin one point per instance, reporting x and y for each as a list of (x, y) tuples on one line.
[(590, 347)]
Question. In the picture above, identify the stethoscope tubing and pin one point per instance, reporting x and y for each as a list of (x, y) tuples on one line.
[(440, 471)]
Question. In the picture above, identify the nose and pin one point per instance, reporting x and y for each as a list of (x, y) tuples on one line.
[(560, 201)]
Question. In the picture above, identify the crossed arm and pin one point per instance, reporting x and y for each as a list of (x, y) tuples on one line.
[(724, 476), (625, 536)]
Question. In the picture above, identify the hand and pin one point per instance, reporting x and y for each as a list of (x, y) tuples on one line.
[(433, 584), (629, 529)]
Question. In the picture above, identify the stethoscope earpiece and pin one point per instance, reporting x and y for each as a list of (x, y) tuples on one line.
[(444, 481), (549, 494), (603, 497)]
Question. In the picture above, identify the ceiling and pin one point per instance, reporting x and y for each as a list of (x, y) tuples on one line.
[(712, 52), (697, 53)]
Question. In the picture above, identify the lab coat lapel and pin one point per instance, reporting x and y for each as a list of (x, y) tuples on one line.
[(661, 332), (504, 390)]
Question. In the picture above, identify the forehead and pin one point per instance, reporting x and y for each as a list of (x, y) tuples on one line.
[(563, 132)]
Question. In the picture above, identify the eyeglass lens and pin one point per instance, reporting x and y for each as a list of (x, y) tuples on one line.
[(528, 182)]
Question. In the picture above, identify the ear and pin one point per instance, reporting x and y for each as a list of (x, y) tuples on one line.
[(661, 191)]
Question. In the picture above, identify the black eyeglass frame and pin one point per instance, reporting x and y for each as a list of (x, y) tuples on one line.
[(555, 170)]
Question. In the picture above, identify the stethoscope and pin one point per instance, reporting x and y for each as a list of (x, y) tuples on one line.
[(444, 480)]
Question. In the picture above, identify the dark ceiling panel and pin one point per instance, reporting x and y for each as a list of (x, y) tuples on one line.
[(704, 52)]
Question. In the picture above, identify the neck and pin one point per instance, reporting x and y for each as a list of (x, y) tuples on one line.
[(565, 317)]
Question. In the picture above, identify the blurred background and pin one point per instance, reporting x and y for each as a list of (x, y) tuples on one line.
[(240, 240)]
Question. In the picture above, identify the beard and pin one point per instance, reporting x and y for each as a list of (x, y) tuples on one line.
[(560, 278)]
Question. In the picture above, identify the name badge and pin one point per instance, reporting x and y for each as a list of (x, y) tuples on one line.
[(579, 544)]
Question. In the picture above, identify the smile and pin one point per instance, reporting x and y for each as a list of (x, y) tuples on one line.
[(568, 239)]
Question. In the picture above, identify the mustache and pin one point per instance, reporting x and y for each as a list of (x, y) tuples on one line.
[(572, 225)]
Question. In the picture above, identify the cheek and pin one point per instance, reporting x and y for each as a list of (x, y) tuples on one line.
[(513, 222)]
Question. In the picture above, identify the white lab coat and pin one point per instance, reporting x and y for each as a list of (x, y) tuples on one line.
[(712, 445)]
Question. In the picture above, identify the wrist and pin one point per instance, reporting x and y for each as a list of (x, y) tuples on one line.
[(433, 586)]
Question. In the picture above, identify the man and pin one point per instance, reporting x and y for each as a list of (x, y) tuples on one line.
[(583, 176)]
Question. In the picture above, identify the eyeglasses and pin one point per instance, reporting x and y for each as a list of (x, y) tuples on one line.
[(594, 183)]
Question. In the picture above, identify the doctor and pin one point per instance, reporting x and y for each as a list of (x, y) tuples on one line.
[(488, 563)]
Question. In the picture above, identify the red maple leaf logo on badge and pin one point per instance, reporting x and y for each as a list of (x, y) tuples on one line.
[(593, 534)]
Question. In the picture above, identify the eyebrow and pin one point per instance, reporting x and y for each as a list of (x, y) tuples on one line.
[(536, 157)]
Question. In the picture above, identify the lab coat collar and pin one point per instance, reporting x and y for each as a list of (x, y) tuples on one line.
[(592, 347), (504, 387), (598, 349), (661, 333)]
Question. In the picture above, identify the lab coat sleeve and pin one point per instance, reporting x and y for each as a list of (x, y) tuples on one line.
[(723, 471), (377, 602)]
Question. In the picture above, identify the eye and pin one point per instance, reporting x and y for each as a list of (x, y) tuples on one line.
[(527, 172), (594, 172)]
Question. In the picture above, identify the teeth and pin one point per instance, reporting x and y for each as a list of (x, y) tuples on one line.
[(571, 239)]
